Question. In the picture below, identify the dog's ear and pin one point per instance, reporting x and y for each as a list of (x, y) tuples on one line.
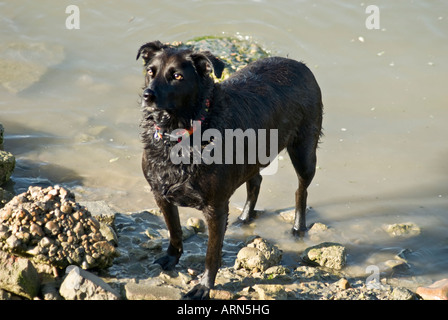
[(149, 50), (205, 62)]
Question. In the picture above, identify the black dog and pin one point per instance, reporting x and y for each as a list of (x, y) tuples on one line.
[(272, 93)]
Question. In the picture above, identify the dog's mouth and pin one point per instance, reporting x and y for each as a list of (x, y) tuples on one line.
[(161, 118), (165, 121)]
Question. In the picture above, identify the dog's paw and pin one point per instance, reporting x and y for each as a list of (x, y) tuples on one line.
[(167, 262), (300, 234), (199, 292)]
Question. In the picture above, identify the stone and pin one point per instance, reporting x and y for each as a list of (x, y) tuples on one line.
[(80, 284), (270, 291), (327, 254), (100, 210), (152, 289), (50, 291), (187, 232), (235, 53), (109, 233), (436, 291), (65, 232), (221, 295), (258, 255), (408, 229), (5, 197), (318, 227), (18, 276), (400, 293), (343, 284), (197, 224), (7, 165)]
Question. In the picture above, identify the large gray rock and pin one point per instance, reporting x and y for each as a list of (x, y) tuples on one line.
[(80, 284), (18, 276)]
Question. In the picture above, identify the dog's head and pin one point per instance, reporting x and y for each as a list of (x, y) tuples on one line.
[(177, 82)]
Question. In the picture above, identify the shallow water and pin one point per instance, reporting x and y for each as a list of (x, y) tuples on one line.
[(382, 159)]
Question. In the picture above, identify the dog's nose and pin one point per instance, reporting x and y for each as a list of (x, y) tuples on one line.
[(149, 95)]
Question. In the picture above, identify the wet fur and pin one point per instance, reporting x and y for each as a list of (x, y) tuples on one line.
[(272, 93)]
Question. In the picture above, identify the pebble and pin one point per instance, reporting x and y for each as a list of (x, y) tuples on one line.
[(343, 284), (197, 224)]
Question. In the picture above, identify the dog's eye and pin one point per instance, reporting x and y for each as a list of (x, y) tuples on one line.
[(178, 76), (150, 72)]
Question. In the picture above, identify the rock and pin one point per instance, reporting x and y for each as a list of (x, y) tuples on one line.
[(436, 291), (7, 165), (258, 256), (5, 197), (343, 284), (317, 227), (101, 211), (397, 266), (288, 215), (49, 225), (152, 289), (235, 52), (83, 285), (399, 293), (408, 229), (152, 233), (270, 291), (50, 291), (108, 233), (187, 232), (221, 294), (327, 254), (18, 275), (24, 63), (198, 225)]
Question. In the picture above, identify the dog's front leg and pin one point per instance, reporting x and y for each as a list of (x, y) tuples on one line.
[(217, 223), (175, 248)]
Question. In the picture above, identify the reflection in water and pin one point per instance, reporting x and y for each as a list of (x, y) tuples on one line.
[(383, 156)]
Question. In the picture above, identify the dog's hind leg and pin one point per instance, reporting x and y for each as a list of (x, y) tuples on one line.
[(253, 189), (175, 248), (303, 158)]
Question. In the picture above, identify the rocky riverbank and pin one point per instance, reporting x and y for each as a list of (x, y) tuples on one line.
[(252, 269)]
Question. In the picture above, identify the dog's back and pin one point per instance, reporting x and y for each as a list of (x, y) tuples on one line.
[(274, 93)]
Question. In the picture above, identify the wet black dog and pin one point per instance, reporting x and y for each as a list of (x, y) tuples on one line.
[(180, 100)]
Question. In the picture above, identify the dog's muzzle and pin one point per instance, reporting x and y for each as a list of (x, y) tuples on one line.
[(149, 96)]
